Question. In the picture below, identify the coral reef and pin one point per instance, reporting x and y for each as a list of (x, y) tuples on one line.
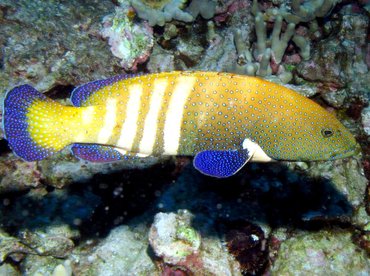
[(12, 247), (161, 61), (63, 269), (206, 8), (46, 265), (347, 177), (345, 56), (8, 270), (125, 249), (366, 120), (247, 243), (45, 45), (172, 238), (64, 169), (158, 216), (16, 175), (181, 249), (306, 11), (269, 50), (130, 41), (333, 253), (267, 195), (60, 170), (160, 12), (56, 241)]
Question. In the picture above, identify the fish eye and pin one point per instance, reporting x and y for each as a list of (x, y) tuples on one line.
[(327, 132)]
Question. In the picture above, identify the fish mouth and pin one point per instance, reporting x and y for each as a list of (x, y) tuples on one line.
[(355, 150)]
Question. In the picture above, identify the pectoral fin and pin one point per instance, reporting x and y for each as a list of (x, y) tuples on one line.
[(221, 164)]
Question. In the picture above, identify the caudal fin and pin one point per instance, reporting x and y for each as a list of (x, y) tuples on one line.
[(17, 105)]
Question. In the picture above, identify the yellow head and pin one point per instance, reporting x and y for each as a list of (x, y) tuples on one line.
[(301, 130)]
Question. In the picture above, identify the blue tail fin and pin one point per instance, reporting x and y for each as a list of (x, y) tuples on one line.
[(15, 123)]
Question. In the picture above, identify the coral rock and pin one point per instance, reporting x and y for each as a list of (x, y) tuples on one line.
[(160, 12), (321, 253), (130, 41), (17, 175), (366, 119), (172, 238)]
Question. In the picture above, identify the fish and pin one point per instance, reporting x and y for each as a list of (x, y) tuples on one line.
[(224, 120)]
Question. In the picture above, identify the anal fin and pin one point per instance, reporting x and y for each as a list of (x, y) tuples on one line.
[(99, 153)]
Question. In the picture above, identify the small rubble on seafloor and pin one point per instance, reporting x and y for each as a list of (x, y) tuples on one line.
[(159, 216)]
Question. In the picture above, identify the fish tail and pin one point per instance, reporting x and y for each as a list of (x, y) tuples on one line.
[(27, 125)]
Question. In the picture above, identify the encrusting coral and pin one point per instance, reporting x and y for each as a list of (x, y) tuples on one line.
[(160, 12), (269, 50), (206, 8), (130, 41), (308, 10)]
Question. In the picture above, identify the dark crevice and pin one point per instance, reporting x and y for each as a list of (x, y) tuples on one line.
[(4, 147), (60, 92)]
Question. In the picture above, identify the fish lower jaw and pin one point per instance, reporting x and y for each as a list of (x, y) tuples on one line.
[(349, 153)]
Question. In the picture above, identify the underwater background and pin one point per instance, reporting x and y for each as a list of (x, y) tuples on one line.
[(158, 215)]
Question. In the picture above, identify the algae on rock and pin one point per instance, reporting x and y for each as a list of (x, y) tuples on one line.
[(321, 253), (130, 41)]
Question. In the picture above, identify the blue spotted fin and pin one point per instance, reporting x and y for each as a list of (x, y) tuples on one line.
[(100, 153), (16, 124), (221, 164)]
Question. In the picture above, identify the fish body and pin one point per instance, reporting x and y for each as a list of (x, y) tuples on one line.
[(222, 119)]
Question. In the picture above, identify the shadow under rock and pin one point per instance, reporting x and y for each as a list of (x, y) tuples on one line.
[(125, 196), (4, 148), (94, 208), (271, 194), (266, 193)]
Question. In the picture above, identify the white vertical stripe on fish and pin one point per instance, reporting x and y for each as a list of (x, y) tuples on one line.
[(121, 151), (174, 114), (125, 152), (129, 128), (151, 120), (109, 121), (87, 117)]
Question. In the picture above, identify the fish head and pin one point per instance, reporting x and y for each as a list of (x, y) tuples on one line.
[(308, 136), (329, 140)]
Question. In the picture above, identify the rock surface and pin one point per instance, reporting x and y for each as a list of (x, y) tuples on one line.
[(324, 251), (157, 216)]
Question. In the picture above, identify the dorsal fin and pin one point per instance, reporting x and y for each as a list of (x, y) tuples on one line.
[(81, 94)]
